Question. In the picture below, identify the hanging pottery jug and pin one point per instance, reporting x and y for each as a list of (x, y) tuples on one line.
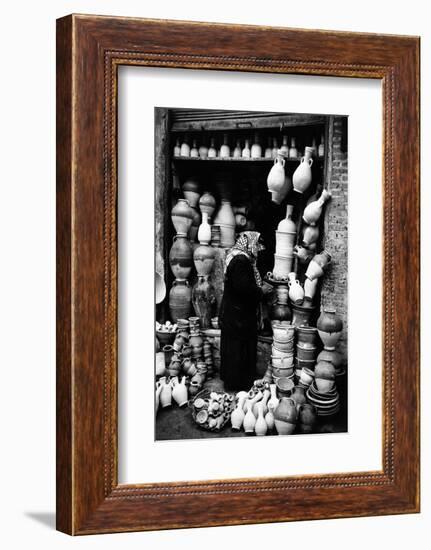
[(180, 257), (191, 191), (310, 234), (207, 204), (260, 428), (180, 300), (182, 216), (317, 265), (285, 416), (303, 254), (296, 292), (165, 393), (276, 176), (329, 326), (313, 210), (204, 302), (224, 149), (302, 176), (203, 258), (310, 288), (249, 418), (226, 220), (212, 153), (256, 149), (324, 374), (179, 391)]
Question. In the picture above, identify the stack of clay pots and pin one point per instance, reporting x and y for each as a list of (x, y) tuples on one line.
[(306, 352), (285, 242), (322, 393), (282, 353)]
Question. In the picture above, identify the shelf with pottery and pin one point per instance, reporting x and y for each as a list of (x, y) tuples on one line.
[(238, 159)]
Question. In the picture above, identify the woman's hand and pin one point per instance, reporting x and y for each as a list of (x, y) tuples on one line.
[(267, 288)]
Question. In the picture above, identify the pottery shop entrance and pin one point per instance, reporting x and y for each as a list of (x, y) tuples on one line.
[(284, 175)]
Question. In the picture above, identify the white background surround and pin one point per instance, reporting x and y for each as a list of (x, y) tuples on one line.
[(27, 290), (141, 458)]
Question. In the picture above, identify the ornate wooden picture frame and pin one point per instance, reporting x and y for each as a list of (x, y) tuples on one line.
[(89, 51)]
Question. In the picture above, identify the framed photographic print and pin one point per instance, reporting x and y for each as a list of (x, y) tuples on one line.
[(237, 274)]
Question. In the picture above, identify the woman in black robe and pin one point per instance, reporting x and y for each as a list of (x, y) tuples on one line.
[(239, 315)]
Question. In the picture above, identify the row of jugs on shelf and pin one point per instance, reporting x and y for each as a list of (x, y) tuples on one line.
[(253, 151)]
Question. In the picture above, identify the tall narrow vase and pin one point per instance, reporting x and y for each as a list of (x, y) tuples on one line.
[(226, 220)]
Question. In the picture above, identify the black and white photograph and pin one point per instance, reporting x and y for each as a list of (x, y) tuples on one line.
[(251, 226)]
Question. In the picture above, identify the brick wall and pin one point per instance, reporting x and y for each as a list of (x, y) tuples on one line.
[(334, 284)]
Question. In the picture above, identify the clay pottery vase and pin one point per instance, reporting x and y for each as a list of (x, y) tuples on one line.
[(237, 150), (246, 153), (165, 393), (249, 418), (180, 257), (332, 356), (283, 333), (182, 216), (284, 386), (306, 376), (207, 204), (185, 149), (285, 416), (324, 374), (189, 367), (194, 387), (160, 363), (225, 149), (329, 326), (307, 335), (193, 231), (191, 191), (278, 196), (177, 148), (280, 312), (321, 148), (226, 220), (203, 151), (306, 352), (317, 265), (180, 300), (314, 209), (284, 243), (306, 417), (159, 388), (282, 267), (301, 315), (281, 350), (179, 392), (310, 235), (203, 258), (180, 340), (303, 254), (194, 153), (298, 395), (238, 414), (160, 288), (287, 225), (284, 149), (301, 178), (296, 292), (187, 349), (282, 294), (260, 428), (268, 150), (310, 288), (276, 176), (212, 152), (256, 149), (273, 400), (204, 301), (204, 232), (269, 418)]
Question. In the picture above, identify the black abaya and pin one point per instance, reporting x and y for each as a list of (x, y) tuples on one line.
[(238, 320)]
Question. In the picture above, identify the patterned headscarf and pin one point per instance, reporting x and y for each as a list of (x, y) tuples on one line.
[(247, 244)]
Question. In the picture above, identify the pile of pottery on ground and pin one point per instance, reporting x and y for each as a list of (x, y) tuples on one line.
[(299, 384)]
